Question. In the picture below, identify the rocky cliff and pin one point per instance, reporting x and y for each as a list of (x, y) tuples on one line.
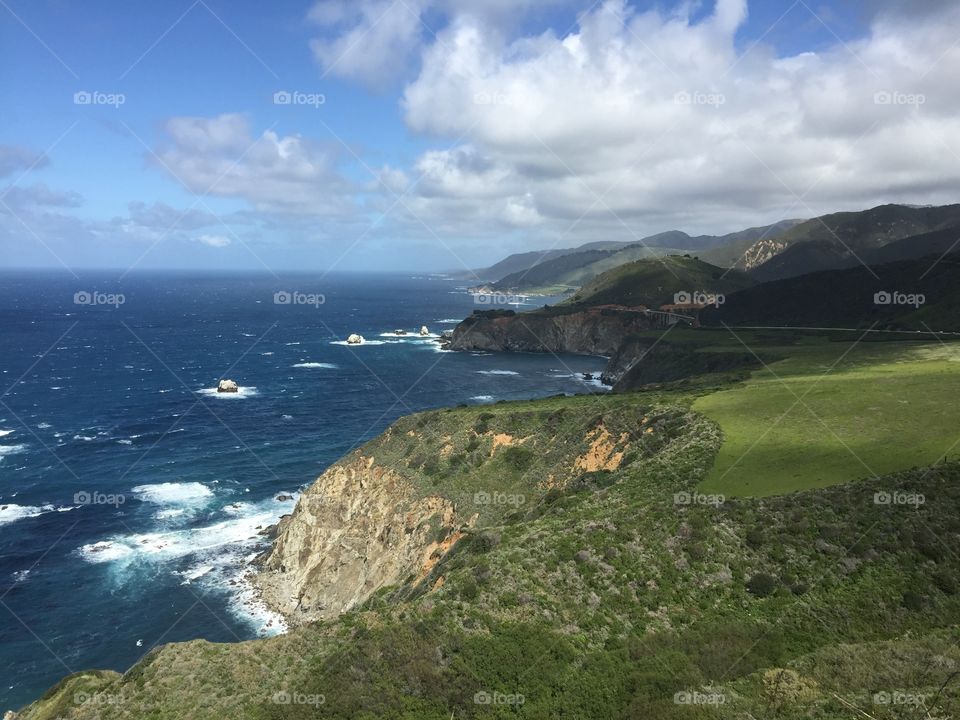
[(593, 331), (358, 528)]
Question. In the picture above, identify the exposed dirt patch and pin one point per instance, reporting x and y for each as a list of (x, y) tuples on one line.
[(606, 451)]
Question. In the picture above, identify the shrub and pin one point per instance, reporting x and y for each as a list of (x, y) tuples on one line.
[(755, 538), (469, 589), (946, 581), (913, 601), (485, 541), (517, 458), (761, 585)]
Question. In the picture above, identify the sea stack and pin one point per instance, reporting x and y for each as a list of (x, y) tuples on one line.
[(424, 331), (355, 339), (227, 386)]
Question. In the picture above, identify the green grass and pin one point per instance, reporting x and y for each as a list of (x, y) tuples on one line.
[(800, 424)]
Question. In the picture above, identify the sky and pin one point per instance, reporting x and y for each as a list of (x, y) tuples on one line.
[(445, 134)]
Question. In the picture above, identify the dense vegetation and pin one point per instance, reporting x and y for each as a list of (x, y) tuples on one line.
[(848, 298), (655, 282)]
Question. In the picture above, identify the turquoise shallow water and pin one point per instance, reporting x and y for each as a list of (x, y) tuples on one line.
[(131, 494)]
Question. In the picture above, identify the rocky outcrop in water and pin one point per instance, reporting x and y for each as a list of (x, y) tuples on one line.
[(227, 386)]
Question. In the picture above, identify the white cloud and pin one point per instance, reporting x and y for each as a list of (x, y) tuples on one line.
[(221, 157), (639, 122), (214, 241), (375, 41)]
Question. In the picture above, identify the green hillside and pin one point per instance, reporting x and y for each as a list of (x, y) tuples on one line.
[(847, 298), (654, 282), (792, 426)]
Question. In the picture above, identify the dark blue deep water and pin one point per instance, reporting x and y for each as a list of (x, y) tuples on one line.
[(131, 494)]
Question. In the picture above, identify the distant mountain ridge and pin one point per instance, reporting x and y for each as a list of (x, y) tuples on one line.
[(838, 240), (570, 270), (817, 255)]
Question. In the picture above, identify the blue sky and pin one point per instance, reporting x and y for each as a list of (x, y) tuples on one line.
[(401, 167)]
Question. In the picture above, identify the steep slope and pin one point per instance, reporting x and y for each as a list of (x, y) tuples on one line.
[(730, 249), (656, 282), (816, 255), (912, 294), (842, 232)]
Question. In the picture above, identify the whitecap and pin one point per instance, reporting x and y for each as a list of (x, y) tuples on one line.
[(242, 392), (216, 556), (170, 493), (195, 573), (11, 513), (328, 366), (497, 372), (4, 433), (365, 342), (483, 398), (125, 442), (10, 450), (447, 321), (44, 426), (85, 438)]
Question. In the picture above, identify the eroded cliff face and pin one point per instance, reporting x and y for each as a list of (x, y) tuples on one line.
[(592, 332), (359, 527)]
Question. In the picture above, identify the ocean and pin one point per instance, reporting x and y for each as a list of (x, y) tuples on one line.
[(132, 494)]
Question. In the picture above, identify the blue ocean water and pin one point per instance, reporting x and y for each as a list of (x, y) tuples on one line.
[(132, 494)]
